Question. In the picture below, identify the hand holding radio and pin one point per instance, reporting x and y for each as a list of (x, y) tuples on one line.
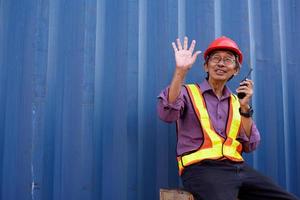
[(241, 93), (245, 91)]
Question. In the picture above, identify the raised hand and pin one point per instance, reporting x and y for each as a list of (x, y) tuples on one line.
[(246, 87), (185, 57)]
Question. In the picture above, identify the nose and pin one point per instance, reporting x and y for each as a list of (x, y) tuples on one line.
[(221, 62)]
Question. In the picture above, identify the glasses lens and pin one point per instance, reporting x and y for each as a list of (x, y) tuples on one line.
[(216, 59), (226, 60)]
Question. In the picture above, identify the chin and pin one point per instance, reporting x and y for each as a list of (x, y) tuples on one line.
[(220, 78)]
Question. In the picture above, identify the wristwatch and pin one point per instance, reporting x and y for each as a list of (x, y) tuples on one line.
[(246, 114)]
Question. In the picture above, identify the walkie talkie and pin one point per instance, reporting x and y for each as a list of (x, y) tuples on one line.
[(241, 95)]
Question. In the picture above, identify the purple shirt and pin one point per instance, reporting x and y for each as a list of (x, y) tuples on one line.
[(190, 135)]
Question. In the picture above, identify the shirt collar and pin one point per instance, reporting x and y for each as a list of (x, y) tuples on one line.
[(205, 87)]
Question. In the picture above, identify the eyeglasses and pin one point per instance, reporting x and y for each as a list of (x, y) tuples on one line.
[(226, 60)]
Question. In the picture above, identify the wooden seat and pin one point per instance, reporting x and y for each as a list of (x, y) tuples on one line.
[(175, 194)]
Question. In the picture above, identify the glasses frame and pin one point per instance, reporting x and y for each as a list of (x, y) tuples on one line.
[(226, 60)]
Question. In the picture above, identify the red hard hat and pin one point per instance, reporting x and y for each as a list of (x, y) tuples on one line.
[(224, 43)]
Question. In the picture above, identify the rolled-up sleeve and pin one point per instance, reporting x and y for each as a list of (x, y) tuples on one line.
[(249, 144), (169, 112)]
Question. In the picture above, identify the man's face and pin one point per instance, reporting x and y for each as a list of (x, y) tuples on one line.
[(221, 66)]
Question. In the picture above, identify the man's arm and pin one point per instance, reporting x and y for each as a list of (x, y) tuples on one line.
[(247, 88), (171, 103), (249, 143), (184, 58)]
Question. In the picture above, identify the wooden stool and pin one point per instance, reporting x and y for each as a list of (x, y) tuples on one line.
[(175, 194)]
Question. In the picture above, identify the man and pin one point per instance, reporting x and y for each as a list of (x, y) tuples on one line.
[(214, 126)]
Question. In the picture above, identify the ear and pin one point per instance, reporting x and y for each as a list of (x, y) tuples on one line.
[(205, 67), (237, 71)]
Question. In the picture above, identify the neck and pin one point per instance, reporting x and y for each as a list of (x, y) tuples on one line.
[(217, 87)]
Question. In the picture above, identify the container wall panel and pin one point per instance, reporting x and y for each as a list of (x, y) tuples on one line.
[(79, 82)]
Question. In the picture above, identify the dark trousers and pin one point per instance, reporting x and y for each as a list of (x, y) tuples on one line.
[(227, 180)]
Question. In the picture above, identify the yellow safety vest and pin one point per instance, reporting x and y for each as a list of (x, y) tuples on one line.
[(214, 146)]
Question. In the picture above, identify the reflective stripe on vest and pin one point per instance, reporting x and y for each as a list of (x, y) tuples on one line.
[(214, 146)]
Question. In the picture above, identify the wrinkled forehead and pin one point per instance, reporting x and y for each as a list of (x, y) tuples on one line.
[(224, 52)]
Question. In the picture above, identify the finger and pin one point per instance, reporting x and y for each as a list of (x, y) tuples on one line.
[(242, 89), (174, 47), (238, 90), (249, 81), (247, 92), (185, 43), (179, 44), (196, 55), (192, 47), (245, 82)]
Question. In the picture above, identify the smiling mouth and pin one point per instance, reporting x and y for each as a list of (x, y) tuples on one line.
[(220, 72)]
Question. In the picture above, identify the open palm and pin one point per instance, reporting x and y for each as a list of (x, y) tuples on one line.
[(184, 57)]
